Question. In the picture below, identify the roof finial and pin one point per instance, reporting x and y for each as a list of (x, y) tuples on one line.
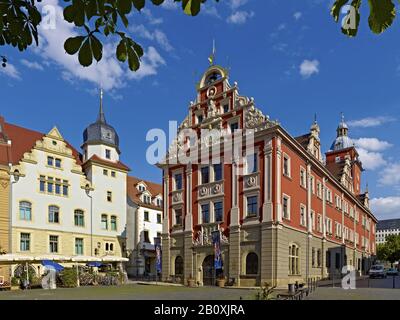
[(101, 117), (342, 116), (315, 118), (211, 58)]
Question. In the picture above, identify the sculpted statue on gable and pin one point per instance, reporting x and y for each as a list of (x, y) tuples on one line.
[(254, 117)]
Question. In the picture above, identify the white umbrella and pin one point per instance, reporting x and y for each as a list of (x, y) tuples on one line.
[(52, 257), (85, 259), (11, 258), (114, 259)]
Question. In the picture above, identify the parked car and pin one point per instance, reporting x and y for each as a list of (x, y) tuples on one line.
[(392, 272), (377, 271)]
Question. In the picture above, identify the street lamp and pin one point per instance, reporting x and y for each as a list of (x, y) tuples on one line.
[(88, 189), (16, 175)]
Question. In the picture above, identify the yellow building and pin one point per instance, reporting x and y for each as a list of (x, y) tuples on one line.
[(4, 199)]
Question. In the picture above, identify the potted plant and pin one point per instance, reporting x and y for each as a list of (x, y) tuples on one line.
[(221, 280), (191, 281), (15, 283)]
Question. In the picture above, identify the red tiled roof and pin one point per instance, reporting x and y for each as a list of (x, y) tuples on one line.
[(22, 140), (133, 193), (117, 165), (304, 140), (336, 168), (4, 154)]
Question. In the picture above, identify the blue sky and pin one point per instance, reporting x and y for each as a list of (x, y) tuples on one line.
[(289, 55)]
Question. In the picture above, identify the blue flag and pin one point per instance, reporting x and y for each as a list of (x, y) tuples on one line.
[(216, 238)]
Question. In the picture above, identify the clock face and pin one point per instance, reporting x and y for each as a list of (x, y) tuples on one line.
[(107, 135)]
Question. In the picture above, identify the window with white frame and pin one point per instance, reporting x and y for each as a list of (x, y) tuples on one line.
[(319, 223), (303, 220), (286, 207), (338, 230), (252, 206), (329, 196), (286, 166), (313, 219), (303, 177), (312, 182), (218, 211), (252, 163), (205, 213), (294, 254), (217, 172), (205, 175), (319, 189), (178, 181), (328, 225), (178, 217)]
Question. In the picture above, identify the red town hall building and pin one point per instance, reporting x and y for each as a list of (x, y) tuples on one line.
[(290, 216)]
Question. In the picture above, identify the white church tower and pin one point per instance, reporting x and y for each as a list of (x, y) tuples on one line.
[(108, 177)]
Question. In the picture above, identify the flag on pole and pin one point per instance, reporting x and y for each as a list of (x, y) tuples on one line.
[(211, 58), (216, 238)]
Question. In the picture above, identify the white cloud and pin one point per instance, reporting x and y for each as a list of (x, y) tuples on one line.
[(390, 176), (280, 46), (281, 27), (372, 144), (211, 11), (309, 67), (370, 122), (108, 73), (157, 35), (170, 4), (234, 4), (371, 160), (297, 15), (149, 16), (240, 17), (32, 65), (386, 208), (11, 71)]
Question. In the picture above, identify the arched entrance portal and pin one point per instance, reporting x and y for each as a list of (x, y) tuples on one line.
[(208, 271)]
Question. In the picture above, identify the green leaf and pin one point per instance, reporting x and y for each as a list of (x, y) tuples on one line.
[(133, 60), (125, 6), (97, 48), (85, 54), (69, 13), (382, 14), (157, 2), (122, 51), (72, 45)]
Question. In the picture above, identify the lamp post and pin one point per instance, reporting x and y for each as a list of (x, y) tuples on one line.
[(14, 178), (88, 189)]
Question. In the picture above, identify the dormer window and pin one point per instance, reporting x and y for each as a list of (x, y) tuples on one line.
[(159, 202), (200, 118), (147, 199), (141, 188)]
